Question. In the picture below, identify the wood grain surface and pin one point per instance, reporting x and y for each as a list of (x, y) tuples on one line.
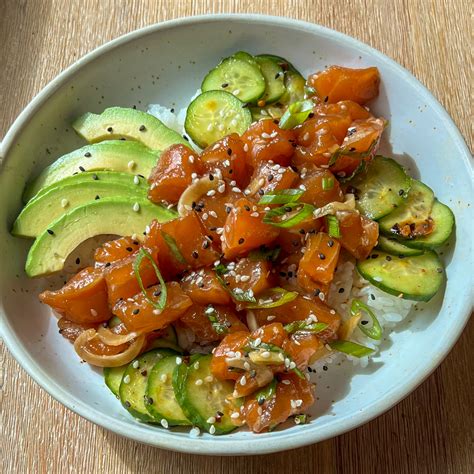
[(431, 431)]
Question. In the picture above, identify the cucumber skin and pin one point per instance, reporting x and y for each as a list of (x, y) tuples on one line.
[(157, 415), (180, 375), (423, 243), (110, 374), (136, 414), (386, 247), (391, 291)]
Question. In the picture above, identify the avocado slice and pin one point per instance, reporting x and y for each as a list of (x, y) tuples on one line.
[(119, 216), (115, 155), (55, 200), (131, 124)]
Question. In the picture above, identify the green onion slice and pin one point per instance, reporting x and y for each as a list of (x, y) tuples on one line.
[(328, 183), (173, 246), (266, 300), (291, 214), (161, 303), (266, 392), (351, 348), (211, 314), (283, 196), (374, 331), (296, 326), (296, 114), (301, 419), (332, 225)]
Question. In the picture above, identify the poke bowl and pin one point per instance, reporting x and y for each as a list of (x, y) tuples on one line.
[(393, 328)]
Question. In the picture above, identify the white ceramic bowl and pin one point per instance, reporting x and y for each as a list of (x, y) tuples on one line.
[(164, 64)]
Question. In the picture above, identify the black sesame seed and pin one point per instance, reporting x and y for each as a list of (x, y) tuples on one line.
[(78, 261), (142, 128), (205, 244), (127, 404), (193, 205), (195, 254), (372, 296), (330, 243), (228, 209), (97, 197), (231, 171), (388, 258), (107, 264), (283, 274), (317, 292), (277, 75), (157, 293), (311, 115), (212, 229), (87, 154), (241, 241), (186, 138), (211, 177), (81, 168), (110, 129), (326, 98), (375, 255), (270, 178), (322, 256), (364, 322), (229, 151), (135, 311), (210, 237), (172, 110), (352, 149), (50, 232), (401, 192), (144, 373), (95, 177), (290, 274), (261, 192), (439, 270), (325, 367), (226, 84), (148, 400), (129, 249), (288, 209), (261, 400), (341, 290), (247, 208), (302, 231)]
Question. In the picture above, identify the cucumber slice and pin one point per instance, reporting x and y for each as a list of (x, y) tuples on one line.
[(381, 188), (394, 247), (167, 340), (271, 111), (281, 62), (274, 79), (132, 389), (237, 76), (206, 399), (412, 278), (294, 83), (443, 219), (113, 378), (215, 114), (416, 209), (243, 55), (160, 400)]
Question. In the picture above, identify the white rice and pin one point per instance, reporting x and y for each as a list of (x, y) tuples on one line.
[(388, 309)]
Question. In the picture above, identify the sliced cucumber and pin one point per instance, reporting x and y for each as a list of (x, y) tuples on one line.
[(281, 62), (239, 77), (167, 340), (443, 219), (394, 247), (113, 378), (132, 389), (274, 79), (294, 83), (381, 188), (271, 111), (243, 55), (215, 114), (416, 209), (413, 278), (160, 400), (204, 398)]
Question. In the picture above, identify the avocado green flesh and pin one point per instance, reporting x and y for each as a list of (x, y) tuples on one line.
[(38, 214), (104, 216), (118, 122), (115, 155)]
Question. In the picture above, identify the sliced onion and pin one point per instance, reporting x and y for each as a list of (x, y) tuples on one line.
[(194, 192), (334, 207), (80, 346), (112, 339), (251, 321), (348, 327), (255, 185)]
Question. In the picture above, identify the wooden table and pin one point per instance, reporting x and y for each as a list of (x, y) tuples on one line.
[(431, 430)]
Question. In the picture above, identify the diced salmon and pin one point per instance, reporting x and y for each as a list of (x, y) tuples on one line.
[(268, 178), (114, 250), (250, 274), (203, 287), (322, 187)]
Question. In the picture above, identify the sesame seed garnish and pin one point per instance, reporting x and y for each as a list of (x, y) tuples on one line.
[(110, 129), (209, 378), (212, 429), (93, 312), (164, 423), (131, 164), (135, 364), (50, 232), (142, 128), (136, 207), (198, 382), (211, 420), (235, 415), (136, 179), (64, 203), (126, 379), (179, 361), (194, 431), (87, 154)]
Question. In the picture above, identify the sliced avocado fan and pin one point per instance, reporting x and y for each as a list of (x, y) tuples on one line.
[(115, 155), (61, 197), (119, 216), (131, 124)]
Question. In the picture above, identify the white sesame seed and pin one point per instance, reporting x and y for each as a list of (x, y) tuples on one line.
[(136, 179), (235, 189), (211, 192), (198, 382), (235, 415), (209, 378), (135, 364), (247, 192), (211, 420), (194, 431), (271, 317), (191, 159), (212, 429), (221, 188), (246, 365), (265, 135), (156, 312), (126, 379), (259, 410), (204, 216), (243, 380), (196, 365), (164, 377), (164, 423), (246, 147), (136, 207), (293, 403), (221, 127), (287, 362), (265, 354), (130, 165), (377, 278), (219, 230), (213, 214), (64, 203), (302, 187), (179, 361), (285, 381), (245, 278), (298, 403), (233, 123), (236, 92), (254, 214), (93, 312)]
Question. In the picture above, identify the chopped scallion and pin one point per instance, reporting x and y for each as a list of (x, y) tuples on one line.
[(266, 300), (328, 183), (283, 196), (296, 114), (161, 303), (332, 225), (374, 331), (291, 214), (173, 246), (351, 348), (296, 326)]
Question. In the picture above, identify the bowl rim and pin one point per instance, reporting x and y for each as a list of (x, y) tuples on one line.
[(265, 443)]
